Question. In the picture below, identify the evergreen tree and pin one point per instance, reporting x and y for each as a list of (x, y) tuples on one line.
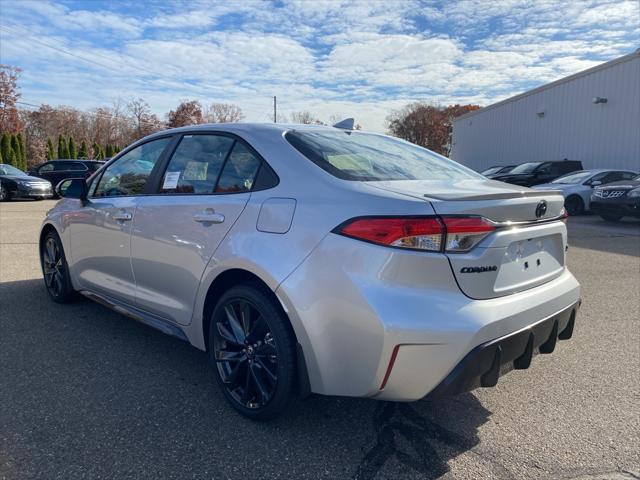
[(82, 153), (73, 151), (13, 157), (17, 156), (5, 147), (51, 153), (95, 150), (108, 150), (63, 150), (23, 152)]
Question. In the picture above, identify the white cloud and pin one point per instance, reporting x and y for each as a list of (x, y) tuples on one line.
[(362, 58)]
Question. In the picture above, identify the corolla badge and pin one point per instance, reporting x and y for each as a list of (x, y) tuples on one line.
[(488, 268), (541, 209)]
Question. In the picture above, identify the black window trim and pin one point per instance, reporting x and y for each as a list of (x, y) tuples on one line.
[(163, 164)]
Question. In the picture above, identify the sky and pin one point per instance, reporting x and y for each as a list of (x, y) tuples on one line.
[(333, 58)]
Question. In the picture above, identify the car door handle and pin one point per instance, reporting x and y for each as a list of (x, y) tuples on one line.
[(208, 216), (122, 216)]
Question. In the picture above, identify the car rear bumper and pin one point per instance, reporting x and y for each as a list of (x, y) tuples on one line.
[(383, 323), (483, 365), (625, 207)]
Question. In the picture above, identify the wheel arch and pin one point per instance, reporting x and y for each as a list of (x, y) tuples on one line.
[(46, 228), (236, 276)]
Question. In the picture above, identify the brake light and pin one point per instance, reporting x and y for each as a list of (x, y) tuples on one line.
[(464, 233), (564, 215), (434, 234), (423, 233)]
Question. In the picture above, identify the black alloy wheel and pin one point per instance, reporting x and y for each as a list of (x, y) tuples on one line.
[(55, 269), (574, 205), (253, 348)]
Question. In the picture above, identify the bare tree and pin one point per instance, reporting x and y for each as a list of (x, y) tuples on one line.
[(223, 113), (9, 94), (187, 113), (145, 121), (305, 117)]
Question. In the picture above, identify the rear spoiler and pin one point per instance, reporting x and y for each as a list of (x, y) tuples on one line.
[(496, 196)]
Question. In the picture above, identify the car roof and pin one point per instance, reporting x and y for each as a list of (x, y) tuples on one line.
[(247, 127)]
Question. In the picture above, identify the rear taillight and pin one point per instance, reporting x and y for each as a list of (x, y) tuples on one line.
[(422, 233), (564, 215), (464, 233), (434, 234)]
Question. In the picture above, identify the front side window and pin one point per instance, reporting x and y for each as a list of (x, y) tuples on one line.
[(196, 164), (365, 157), (129, 174), (47, 167)]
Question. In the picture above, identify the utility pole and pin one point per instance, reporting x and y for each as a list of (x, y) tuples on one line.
[(275, 118)]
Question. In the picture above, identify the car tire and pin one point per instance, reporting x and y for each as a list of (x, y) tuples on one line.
[(55, 269), (574, 205), (253, 349), (611, 218), (5, 196)]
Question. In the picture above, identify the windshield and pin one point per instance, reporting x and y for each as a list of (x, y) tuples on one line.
[(574, 177), (491, 170), (365, 156), (10, 170), (525, 167)]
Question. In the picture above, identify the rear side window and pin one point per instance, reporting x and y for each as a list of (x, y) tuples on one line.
[(363, 157), (239, 171), (196, 164), (47, 167)]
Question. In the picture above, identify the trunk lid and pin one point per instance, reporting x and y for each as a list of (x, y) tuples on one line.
[(525, 251)]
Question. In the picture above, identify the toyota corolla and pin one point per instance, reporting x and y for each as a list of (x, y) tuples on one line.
[(317, 259)]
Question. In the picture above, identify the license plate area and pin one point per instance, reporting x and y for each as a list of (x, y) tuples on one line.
[(530, 261)]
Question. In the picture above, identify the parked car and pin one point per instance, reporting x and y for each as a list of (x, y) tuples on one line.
[(617, 200), (316, 259), (497, 170), (577, 187), (57, 170), (14, 183), (534, 173)]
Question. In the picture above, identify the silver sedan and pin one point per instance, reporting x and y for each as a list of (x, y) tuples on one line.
[(577, 187), (316, 259)]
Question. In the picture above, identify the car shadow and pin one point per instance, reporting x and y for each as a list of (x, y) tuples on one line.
[(86, 392)]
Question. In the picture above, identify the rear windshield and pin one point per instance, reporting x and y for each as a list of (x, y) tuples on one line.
[(365, 157)]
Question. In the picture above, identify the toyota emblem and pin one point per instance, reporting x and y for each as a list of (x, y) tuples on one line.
[(541, 209)]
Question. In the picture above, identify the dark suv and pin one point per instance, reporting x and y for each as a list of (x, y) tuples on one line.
[(535, 173), (57, 170), (616, 200)]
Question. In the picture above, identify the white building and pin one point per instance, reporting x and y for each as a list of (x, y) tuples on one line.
[(592, 116)]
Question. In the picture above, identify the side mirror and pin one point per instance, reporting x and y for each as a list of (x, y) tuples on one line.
[(595, 183), (72, 188)]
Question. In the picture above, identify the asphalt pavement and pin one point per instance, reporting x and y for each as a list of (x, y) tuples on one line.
[(88, 393)]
